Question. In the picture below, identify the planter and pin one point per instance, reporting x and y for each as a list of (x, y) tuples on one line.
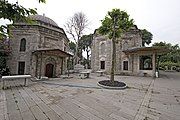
[(111, 85)]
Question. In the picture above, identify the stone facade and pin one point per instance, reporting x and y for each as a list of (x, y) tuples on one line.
[(42, 34), (102, 49)]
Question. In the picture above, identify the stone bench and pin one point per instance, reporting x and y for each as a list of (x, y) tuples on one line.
[(145, 74), (66, 76), (101, 72), (84, 74), (78, 68), (24, 77)]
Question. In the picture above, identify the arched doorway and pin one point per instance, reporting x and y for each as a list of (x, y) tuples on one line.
[(49, 70)]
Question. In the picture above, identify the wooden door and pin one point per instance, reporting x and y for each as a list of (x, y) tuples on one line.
[(49, 70), (125, 65), (21, 68), (102, 64)]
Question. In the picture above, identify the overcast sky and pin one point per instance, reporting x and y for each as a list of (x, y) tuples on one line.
[(160, 17)]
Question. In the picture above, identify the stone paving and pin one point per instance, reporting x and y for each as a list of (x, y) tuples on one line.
[(81, 99)]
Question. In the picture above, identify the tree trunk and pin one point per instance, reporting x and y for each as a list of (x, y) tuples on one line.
[(113, 59), (68, 65), (88, 58), (113, 50), (76, 55)]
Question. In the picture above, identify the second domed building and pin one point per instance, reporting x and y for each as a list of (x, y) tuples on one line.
[(39, 48)]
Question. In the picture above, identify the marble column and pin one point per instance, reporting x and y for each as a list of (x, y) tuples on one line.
[(154, 64)]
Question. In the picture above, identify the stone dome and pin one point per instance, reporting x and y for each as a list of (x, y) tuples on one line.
[(44, 19)]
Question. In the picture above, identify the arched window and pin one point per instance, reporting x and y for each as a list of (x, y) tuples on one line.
[(102, 64), (103, 48), (125, 65), (125, 45), (146, 62), (23, 45)]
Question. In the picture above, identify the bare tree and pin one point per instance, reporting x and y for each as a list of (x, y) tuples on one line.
[(75, 26)]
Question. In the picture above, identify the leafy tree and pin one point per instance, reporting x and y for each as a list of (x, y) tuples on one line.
[(4, 52), (85, 45), (161, 44), (114, 25), (75, 26), (146, 37), (72, 46), (172, 58), (14, 12)]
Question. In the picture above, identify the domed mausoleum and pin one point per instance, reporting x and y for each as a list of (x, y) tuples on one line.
[(39, 48), (44, 20)]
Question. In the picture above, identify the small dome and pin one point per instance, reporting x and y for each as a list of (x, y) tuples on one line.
[(43, 19)]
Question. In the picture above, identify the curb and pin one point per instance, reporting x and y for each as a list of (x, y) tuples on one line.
[(108, 87)]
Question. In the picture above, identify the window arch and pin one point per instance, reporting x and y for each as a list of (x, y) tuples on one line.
[(102, 48), (23, 45), (125, 45), (145, 62)]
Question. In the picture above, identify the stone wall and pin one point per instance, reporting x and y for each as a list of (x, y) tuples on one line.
[(31, 35), (128, 40), (46, 59), (36, 37)]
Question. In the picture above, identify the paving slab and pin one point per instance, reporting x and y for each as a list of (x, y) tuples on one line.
[(81, 99)]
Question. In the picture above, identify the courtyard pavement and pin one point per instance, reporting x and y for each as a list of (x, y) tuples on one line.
[(81, 99)]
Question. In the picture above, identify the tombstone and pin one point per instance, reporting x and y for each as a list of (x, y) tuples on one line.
[(78, 68), (173, 68), (166, 67), (86, 66)]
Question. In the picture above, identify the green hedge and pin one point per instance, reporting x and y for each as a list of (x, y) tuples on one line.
[(169, 64)]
